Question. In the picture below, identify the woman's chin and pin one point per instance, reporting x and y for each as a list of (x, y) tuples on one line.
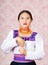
[(24, 26)]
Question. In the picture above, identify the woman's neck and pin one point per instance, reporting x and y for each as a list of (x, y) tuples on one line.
[(24, 30)]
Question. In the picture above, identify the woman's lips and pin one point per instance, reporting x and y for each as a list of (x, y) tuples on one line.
[(24, 23)]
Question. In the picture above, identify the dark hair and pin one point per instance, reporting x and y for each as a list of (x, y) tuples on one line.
[(26, 12)]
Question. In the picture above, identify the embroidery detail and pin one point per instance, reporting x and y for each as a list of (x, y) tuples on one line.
[(31, 38)]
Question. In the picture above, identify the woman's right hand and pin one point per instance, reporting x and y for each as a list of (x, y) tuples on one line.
[(20, 41)]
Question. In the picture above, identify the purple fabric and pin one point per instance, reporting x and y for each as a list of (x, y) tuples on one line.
[(31, 38), (15, 34), (20, 57)]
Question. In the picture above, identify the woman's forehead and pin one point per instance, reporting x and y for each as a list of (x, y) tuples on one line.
[(25, 14)]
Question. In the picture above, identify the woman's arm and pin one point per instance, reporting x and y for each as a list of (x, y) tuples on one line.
[(8, 43), (38, 53)]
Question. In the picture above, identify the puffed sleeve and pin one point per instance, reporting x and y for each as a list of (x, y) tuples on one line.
[(8, 43), (38, 53)]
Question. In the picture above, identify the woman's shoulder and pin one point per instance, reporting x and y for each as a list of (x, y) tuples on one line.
[(13, 30), (13, 33), (36, 34)]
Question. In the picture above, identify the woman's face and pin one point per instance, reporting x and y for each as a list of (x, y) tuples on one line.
[(25, 20)]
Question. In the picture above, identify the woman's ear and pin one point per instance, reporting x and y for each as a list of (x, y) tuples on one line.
[(30, 21)]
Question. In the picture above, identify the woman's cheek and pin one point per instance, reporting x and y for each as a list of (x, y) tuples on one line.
[(21, 23)]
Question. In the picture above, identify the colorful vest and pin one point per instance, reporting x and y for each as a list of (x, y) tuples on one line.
[(21, 57)]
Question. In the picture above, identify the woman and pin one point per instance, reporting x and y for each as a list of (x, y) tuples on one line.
[(25, 44)]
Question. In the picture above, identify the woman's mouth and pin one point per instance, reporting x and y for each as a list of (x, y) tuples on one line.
[(24, 23)]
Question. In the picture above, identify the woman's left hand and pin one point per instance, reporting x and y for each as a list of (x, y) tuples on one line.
[(22, 50)]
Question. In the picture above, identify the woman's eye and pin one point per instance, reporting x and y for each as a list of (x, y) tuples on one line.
[(22, 18), (27, 18)]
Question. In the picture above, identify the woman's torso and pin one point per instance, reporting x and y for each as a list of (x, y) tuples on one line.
[(29, 45)]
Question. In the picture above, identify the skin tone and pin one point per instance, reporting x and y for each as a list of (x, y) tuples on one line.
[(24, 18), (25, 22), (24, 30)]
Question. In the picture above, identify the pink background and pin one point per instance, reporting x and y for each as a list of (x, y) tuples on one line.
[(9, 10)]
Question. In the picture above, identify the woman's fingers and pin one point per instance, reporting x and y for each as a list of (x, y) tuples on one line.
[(22, 50), (20, 41)]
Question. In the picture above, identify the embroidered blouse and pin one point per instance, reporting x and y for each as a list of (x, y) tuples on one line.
[(33, 45)]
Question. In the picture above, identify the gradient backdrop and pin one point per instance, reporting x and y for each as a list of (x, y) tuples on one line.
[(9, 10)]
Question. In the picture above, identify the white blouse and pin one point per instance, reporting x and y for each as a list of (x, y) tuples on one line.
[(36, 52)]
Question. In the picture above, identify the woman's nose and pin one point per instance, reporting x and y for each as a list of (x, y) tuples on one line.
[(25, 20)]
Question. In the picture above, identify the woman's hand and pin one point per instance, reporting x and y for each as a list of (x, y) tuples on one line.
[(22, 50), (20, 41)]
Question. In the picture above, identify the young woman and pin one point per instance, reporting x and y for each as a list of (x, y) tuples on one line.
[(25, 44)]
